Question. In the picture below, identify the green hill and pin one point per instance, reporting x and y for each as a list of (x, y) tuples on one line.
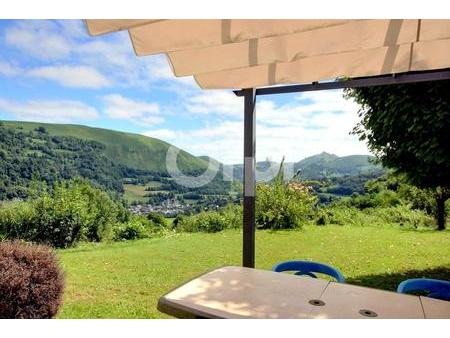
[(130, 150), (54, 152), (325, 165), (51, 152), (320, 166)]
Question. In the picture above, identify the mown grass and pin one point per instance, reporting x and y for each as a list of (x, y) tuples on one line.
[(125, 280)]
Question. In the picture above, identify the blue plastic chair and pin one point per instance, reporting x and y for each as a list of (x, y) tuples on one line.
[(436, 288), (307, 268)]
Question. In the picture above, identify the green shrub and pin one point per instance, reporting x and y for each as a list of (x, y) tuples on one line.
[(59, 221), (400, 215), (17, 219), (136, 228), (278, 206), (322, 218), (73, 211), (381, 199), (204, 222), (419, 199), (177, 221), (340, 215), (404, 216), (102, 212), (283, 206), (211, 221), (157, 219)]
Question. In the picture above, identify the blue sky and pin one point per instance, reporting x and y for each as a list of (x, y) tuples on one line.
[(53, 71)]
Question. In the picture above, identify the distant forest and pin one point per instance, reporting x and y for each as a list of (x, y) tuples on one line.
[(28, 155), (36, 155)]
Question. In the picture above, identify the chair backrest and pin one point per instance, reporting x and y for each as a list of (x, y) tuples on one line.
[(436, 288), (308, 268)]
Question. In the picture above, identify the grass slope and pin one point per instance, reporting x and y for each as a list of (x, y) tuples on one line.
[(125, 280), (132, 150)]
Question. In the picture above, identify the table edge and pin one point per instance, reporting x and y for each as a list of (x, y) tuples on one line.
[(182, 312), (165, 305)]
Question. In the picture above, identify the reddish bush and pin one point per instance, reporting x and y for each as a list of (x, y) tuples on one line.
[(31, 281)]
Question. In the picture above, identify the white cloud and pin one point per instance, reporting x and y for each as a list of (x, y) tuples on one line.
[(215, 102), (116, 50), (308, 125), (8, 69), (38, 38), (120, 107), (311, 110), (72, 76), (61, 111), (163, 134), (156, 70), (72, 28)]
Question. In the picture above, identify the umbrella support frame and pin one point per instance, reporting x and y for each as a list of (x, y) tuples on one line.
[(250, 94)]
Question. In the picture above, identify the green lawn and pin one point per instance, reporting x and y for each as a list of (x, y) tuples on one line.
[(125, 280)]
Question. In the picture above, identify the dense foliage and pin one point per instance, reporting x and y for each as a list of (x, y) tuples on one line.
[(386, 201), (389, 200), (137, 227), (31, 281), (76, 211), (157, 219), (282, 205), (407, 127), (332, 188), (38, 154), (28, 155), (211, 221), (132, 151), (72, 211)]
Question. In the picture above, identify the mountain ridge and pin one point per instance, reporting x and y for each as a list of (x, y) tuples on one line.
[(132, 150), (319, 166), (110, 158)]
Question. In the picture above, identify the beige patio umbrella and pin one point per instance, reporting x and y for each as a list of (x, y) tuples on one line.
[(235, 54)]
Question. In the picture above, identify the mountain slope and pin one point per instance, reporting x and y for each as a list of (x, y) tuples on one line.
[(320, 166), (329, 165), (52, 152), (26, 156), (130, 150)]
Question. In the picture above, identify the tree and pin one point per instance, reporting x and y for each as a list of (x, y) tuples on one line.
[(407, 127)]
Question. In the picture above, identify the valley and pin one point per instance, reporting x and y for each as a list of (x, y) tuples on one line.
[(133, 168)]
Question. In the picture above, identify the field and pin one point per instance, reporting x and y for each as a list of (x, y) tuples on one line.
[(125, 280), (137, 193)]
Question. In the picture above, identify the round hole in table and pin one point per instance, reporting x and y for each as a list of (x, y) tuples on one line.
[(316, 302), (368, 313)]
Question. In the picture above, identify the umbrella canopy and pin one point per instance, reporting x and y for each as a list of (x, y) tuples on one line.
[(233, 54)]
